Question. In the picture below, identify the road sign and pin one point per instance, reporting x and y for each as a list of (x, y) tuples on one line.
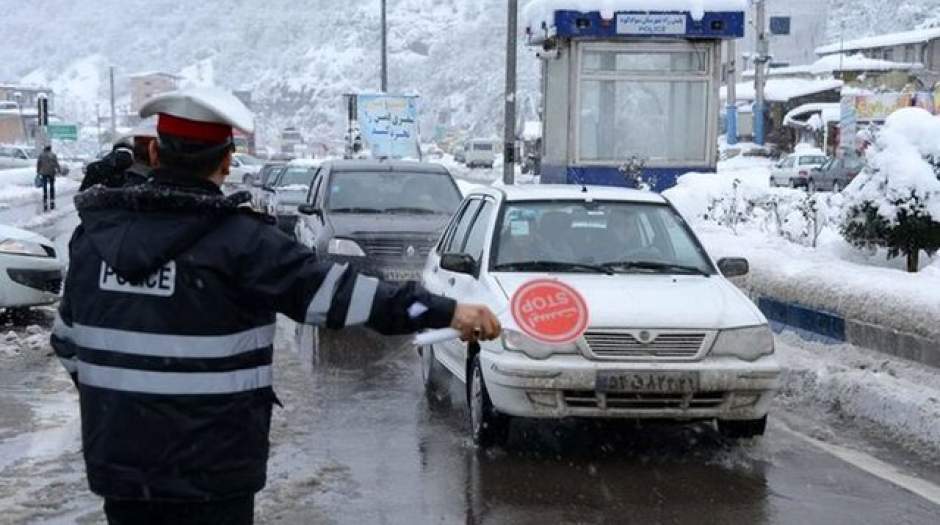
[(550, 311), (63, 131), (780, 25)]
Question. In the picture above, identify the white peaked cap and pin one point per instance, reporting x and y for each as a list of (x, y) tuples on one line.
[(205, 104)]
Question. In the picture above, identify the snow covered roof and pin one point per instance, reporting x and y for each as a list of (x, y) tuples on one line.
[(890, 39), (153, 74), (784, 89), (835, 63), (828, 112)]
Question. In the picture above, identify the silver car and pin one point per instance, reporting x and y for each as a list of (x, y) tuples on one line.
[(794, 170)]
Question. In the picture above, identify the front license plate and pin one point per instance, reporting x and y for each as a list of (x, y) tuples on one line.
[(647, 382), (402, 275)]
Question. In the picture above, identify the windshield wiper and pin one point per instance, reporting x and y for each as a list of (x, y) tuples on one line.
[(655, 265), (523, 266), (415, 210), (355, 210)]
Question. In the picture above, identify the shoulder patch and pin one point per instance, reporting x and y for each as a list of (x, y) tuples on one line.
[(162, 283)]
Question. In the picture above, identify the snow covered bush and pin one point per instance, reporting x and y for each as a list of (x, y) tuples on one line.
[(895, 202)]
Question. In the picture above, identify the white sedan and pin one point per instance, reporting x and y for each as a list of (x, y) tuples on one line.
[(795, 170), (30, 269), (668, 335)]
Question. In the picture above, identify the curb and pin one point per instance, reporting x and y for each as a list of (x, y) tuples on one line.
[(832, 328)]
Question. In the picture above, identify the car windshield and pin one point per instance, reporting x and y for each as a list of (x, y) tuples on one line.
[(392, 192), (620, 237), (812, 160), (296, 176)]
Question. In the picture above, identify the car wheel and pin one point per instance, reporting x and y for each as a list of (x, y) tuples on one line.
[(811, 186), (748, 428), (487, 426), (793, 183), (431, 374)]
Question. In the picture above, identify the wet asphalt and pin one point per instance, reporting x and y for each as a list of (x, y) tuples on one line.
[(378, 451)]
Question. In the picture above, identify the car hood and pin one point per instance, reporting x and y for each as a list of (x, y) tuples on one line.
[(389, 223), (653, 301), (9, 232), (292, 194)]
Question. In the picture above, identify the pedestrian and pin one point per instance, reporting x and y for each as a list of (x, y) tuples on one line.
[(47, 167), (167, 323)]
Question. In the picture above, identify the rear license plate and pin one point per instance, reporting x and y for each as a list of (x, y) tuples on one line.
[(402, 275), (647, 382)]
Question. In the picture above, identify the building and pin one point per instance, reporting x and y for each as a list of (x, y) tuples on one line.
[(856, 70), (26, 97), (147, 85), (920, 46), (19, 113)]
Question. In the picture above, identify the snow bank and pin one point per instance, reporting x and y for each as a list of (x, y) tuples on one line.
[(821, 278), (17, 186), (541, 13), (899, 398)]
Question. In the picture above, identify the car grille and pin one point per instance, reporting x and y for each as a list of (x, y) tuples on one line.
[(396, 247), (631, 345), (633, 401), (42, 280)]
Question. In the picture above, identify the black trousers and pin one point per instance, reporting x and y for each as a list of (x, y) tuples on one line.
[(238, 511), (48, 192)]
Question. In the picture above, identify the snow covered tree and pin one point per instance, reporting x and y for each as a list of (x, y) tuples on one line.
[(895, 202)]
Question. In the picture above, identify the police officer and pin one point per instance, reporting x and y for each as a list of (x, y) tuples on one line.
[(128, 163), (168, 319)]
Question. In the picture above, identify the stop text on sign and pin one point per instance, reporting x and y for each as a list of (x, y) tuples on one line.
[(550, 311)]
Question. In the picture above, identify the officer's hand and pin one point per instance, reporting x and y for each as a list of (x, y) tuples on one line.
[(475, 323)]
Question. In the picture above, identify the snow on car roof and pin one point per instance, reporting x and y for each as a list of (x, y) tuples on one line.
[(889, 39), (542, 12), (537, 192)]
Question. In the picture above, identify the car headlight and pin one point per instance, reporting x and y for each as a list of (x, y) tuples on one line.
[(19, 247), (749, 343), (345, 247), (515, 341)]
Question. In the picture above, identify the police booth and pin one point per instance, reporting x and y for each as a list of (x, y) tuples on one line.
[(630, 96)]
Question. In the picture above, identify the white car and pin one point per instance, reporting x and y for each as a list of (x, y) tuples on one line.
[(30, 269), (480, 153), (244, 169), (16, 157), (795, 170), (669, 336)]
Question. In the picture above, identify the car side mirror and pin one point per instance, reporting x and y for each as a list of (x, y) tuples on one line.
[(734, 267), (310, 209), (459, 263)]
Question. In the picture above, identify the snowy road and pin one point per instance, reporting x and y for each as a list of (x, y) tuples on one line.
[(358, 443)]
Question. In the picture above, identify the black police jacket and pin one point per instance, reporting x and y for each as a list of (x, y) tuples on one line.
[(167, 325)]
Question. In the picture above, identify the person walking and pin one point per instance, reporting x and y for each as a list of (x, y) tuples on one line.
[(47, 167), (167, 323)]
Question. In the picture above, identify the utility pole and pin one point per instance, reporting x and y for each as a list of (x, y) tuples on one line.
[(384, 47), (731, 110), (509, 126), (760, 65), (98, 122), (113, 112)]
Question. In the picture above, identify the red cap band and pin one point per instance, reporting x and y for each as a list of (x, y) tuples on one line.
[(209, 132)]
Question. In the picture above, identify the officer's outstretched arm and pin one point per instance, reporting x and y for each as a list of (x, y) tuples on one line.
[(287, 278)]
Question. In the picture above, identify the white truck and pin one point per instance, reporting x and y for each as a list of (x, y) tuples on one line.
[(480, 153)]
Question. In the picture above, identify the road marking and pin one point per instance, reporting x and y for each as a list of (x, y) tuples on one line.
[(875, 467)]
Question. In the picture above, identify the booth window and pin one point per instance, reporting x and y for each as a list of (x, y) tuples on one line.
[(650, 102)]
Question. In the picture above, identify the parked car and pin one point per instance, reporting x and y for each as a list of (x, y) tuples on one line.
[(30, 270), (17, 157), (263, 194), (380, 217), (460, 154), (669, 337), (794, 170), (480, 153), (244, 169), (835, 174), (290, 190)]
